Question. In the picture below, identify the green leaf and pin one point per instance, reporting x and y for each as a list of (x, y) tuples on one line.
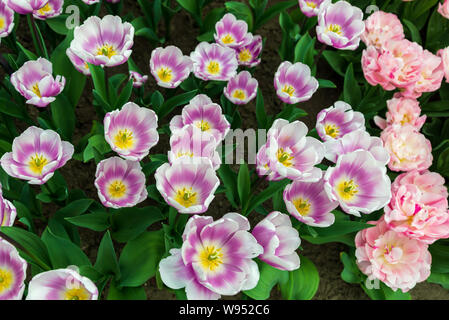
[(439, 278), (326, 84), (244, 186), (229, 179), (440, 257), (140, 258), (10, 108), (342, 227), (126, 293), (269, 277), (241, 11), (106, 258), (350, 273), (273, 11), (336, 61), (63, 252), (97, 221), (63, 116), (261, 114), (98, 79), (266, 194), (58, 24), (351, 89), (125, 94), (169, 105), (302, 283), (99, 143), (416, 37), (74, 208), (128, 223), (157, 99), (443, 163), (304, 50)]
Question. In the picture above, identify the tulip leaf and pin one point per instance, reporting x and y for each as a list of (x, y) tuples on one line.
[(244, 186), (126, 293), (302, 283), (269, 277), (106, 261)]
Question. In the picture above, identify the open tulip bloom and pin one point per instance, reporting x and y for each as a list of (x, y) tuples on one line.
[(106, 42), (12, 272), (8, 212), (52, 9), (6, 19), (36, 155), (138, 79), (78, 63), (241, 89), (169, 66), (26, 6), (61, 284), (187, 187), (311, 8), (249, 55), (120, 183), (131, 131), (230, 32), (35, 82), (216, 258)]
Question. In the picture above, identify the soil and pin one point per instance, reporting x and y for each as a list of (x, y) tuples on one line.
[(183, 35)]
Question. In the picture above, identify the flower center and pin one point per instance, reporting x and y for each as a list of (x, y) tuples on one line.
[(302, 205), (311, 4), (392, 254), (239, 94), (213, 67), (45, 9), (6, 279), (35, 89), (2, 23), (124, 139), (284, 157), (106, 50), (245, 55), (211, 257), (37, 163), (117, 189), (288, 89), (227, 39), (182, 154), (332, 130), (347, 189), (77, 294), (186, 197), (164, 74), (203, 125), (405, 119), (335, 28)]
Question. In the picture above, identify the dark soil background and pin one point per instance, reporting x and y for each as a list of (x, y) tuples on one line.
[(183, 35)]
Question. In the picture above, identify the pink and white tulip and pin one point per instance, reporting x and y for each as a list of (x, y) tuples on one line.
[(338, 120), (402, 111), (291, 153), (356, 140), (131, 131), (6, 19), (444, 54), (138, 79), (8, 212), (26, 6), (358, 183), (96, 42), (169, 66), (202, 113), (391, 257), (309, 203), (294, 82), (61, 284), (191, 145), (263, 167), (381, 28), (340, 25), (311, 8), (241, 89), (187, 187), (35, 82), (408, 149), (214, 62), (52, 9), (78, 63), (233, 33), (443, 9), (12, 272), (36, 155), (249, 55), (419, 206), (279, 241), (120, 183), (216, 258)]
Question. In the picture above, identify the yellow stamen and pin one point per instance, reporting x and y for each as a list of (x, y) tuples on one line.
[(335, 28), (164, 74), (284, 157), (45, 9), (347, 189), (37, 163), (288, 89), (106, 50), (124, 139), (227, 39), (186, 197), (35, 89), (239, 94), (332, 130), (213, 67), (6, 280), (211, 258), (203, 125), (245, 55), (302, 205), (2, 23), (117, 189), (311, 4), (182, 154), (77, 294)]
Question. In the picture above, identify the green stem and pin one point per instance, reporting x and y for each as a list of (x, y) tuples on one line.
[(37, 37), (320, 53)]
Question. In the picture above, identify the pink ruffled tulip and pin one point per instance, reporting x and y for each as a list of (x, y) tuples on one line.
[(394, 259), (444, 54), (408, 149), (443, 9), (216, 258), (35, 82), (36, 155), (381, 28), (279, 241), (419, 206)]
